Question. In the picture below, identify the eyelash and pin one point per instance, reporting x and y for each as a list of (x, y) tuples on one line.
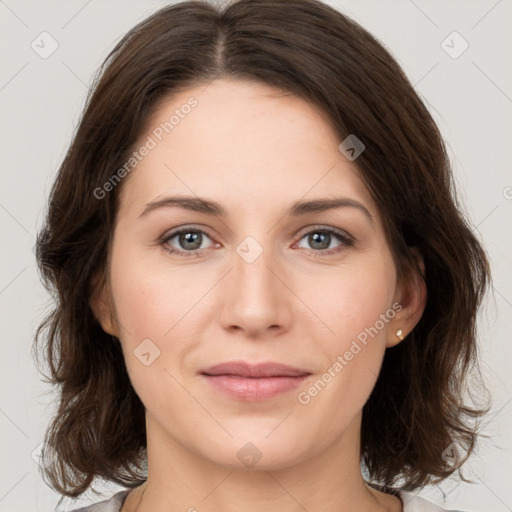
[(347, 241)]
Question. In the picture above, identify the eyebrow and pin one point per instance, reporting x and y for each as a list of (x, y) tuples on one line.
[(297, 209)]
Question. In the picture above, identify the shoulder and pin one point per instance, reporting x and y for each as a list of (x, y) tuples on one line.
[(112, 504), (413, 503)]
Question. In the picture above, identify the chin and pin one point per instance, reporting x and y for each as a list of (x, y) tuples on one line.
[(259, 453)]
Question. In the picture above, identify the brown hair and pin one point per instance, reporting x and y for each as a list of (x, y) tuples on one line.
[(310, 50)]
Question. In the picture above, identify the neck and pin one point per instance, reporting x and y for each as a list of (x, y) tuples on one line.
[(179, 478)]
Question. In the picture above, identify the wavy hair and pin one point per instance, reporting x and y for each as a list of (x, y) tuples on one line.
[(308, 49)]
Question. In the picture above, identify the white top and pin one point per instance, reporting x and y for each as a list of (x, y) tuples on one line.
[(411, 503)]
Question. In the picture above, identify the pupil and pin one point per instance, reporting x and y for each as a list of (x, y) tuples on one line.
[(321, 239), (190, 238)]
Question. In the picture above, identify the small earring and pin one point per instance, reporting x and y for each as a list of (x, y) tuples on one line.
[(400, 334)]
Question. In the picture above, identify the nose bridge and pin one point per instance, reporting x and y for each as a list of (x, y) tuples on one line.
[(252, 272), (256, 298)]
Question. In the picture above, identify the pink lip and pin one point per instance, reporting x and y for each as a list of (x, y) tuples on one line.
[(253, 388), (253, 382)]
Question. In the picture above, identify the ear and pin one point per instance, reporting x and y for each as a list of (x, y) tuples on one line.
[(412, 296), (101, 304)]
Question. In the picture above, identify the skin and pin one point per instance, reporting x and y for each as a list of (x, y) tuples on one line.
[(293, 304)]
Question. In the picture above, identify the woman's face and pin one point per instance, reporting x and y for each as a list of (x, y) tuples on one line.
[(266, 281)]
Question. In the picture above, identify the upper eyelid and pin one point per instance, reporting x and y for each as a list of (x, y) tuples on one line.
[(321, 227), (173, 232)]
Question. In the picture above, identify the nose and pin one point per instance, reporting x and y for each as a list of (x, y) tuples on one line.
[(256, 297)]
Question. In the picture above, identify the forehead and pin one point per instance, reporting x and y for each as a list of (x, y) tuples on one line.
[(241, 142)]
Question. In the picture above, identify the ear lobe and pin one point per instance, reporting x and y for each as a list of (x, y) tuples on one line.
[(412, 295), (100, 304)]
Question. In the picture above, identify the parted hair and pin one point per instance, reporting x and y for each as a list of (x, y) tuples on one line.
[(419, 406)]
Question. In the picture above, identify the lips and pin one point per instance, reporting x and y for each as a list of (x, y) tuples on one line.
[(253, 382), (243, 369)]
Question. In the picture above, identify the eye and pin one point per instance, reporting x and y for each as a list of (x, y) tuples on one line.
[(189, 240), (321, 238)]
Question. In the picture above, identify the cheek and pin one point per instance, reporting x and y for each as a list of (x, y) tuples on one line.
[(148, 308), (352, 299), (155, 306), (357, 307), (150, 299)]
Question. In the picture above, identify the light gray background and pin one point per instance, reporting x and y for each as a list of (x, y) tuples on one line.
[(40, 99)]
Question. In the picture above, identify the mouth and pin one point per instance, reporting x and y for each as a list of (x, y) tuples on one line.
[(254, 382), (255, 370)]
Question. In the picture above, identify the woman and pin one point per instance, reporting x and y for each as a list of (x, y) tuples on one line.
[(266, 294)]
